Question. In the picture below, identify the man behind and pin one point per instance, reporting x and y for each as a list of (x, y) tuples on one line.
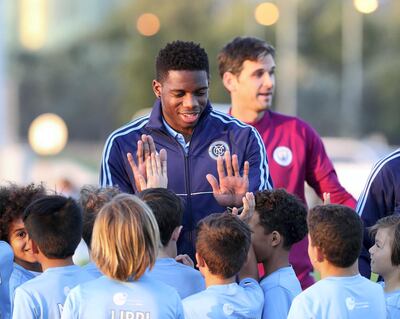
[(295, 151), (195, 137)]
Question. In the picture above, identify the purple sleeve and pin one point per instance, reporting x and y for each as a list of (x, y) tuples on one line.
[(320, 173)]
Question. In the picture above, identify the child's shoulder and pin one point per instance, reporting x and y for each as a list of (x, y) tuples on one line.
[(284, 277)]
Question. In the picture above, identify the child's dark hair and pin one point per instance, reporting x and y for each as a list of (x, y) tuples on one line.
[(282, 212), (92, 200), (167, 207), (391, 222), (240, 49), (13, 201), (338, 231), (223, 241), (54, 223), (181, 56)]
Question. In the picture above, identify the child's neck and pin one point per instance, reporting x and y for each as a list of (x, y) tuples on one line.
[(52, 263), (168, 251), (326, 269), (392, 281), (277, 261), (212, 280)]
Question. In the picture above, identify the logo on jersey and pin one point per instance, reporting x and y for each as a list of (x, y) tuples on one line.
[(120, 298), (227, 308), (217, 148), (282, 155), (350, 303)]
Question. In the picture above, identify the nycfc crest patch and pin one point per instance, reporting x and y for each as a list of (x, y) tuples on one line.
[(217, 148), (282, 155)]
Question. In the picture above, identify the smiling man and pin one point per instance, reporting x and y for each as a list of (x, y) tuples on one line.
[(195, 137), (295, 151)]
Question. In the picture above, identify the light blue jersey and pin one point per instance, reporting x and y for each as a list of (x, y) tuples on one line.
[(279, 288), (245, 300), (392, 302), (91, 268), (44, 296), (105, 298), (186, 280), (6, 268), (352, 297), (18, 277)]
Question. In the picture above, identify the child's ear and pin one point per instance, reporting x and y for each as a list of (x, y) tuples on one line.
[(200, 261), (276, 238), (176, 233)]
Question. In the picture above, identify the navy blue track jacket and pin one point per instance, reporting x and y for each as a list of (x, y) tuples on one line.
[(214, 133), (380, 198)]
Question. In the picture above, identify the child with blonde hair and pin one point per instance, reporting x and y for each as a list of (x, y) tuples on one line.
[(385, 259), (125, 243)]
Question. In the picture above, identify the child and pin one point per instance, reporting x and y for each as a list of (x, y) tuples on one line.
[(54, 226), (13, 201), (168, 210), (385, 259), (91, 200), (335, 239), (124, 244), (223, 243), (279, 221), (6, 266)]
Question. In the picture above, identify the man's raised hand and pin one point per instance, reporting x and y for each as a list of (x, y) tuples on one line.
[(231, 187)]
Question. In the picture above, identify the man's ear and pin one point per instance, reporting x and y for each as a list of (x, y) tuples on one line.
[(157, 88), (176, 233), (276, 238), (230, 81)]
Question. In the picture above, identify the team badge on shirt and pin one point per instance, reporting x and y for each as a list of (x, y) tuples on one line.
[(120, 298), (227, 308), (282, 155), (217, 148)]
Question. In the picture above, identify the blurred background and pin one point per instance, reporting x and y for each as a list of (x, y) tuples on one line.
[(72, 71)]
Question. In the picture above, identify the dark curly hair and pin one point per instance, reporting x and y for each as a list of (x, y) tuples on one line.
[(13, 201), (240, 49), (92, 199), (181, 56), (282, 212), (338, 231)]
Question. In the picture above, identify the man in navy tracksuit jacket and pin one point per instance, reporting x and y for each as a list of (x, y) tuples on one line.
[(380, 198), (183, 123)]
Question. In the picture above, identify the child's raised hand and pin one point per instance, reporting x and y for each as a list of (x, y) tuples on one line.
[(249, 205), (327, 198), (185, 259)]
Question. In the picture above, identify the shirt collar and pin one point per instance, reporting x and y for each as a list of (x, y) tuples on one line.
[(176, 135)]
